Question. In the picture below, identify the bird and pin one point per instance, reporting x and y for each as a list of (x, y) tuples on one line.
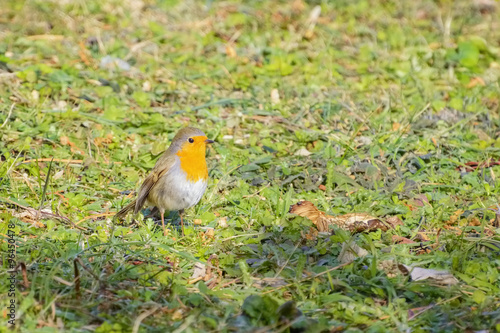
[(178, 179)]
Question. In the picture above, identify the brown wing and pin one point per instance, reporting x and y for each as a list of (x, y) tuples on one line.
[(162, 167)]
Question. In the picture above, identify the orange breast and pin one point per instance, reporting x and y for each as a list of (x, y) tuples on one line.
[(193, 162)]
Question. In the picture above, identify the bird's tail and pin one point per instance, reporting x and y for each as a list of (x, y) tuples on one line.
[(125, 210)]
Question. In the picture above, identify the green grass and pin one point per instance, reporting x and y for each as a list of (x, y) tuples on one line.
[(391, 98)]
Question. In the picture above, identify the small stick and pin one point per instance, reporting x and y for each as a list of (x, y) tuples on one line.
[(142, 316), (94, 216), (77, 280), (34, 212), (63, 161), (87, 269), (8, 116), (24, 272)]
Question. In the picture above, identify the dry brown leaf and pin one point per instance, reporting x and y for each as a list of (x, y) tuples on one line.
[(354, 222), (107, 140), (419, 200), (230, 51), (74, 149), (474, 221), (394, 221), (454, 218), (421, 237), (178, 314), (475, 81), (298, 6), (210, 233), (401, 240), (311, 235), (84, 54)]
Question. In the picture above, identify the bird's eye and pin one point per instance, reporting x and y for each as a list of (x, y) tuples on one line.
[(190, 140)]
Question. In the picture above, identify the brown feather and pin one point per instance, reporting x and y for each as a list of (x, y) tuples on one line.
[(125, 210), (163, 165)]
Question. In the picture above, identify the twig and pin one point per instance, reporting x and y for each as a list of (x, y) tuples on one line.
[(185, 325), (433, 305), (8, 116), (24, 272), (230, 283), (77, 280), (34, 212), (87, 269), (63, 161), (142, 316), (94, 216), (286, 263), (69, 284), (45, 186)]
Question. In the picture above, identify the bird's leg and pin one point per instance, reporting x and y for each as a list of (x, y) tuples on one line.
[(162, 213), (182, 221)]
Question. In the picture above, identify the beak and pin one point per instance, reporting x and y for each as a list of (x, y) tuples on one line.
[(209, 141)]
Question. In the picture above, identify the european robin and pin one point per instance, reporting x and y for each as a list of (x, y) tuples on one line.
[(178, 179)]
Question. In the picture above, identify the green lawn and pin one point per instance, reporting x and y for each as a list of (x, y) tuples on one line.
[(357, 106)]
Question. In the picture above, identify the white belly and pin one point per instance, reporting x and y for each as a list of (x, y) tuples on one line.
[(177, 195)]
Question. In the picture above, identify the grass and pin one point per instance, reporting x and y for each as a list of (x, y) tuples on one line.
[(391, 99)]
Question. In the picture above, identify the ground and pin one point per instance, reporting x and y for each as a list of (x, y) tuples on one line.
[(389, 108)]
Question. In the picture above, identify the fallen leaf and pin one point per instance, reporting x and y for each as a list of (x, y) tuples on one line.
[(275, 96), (311, 235), (210, 233), (474, 221), (401, 240), (421, 237), (392, 268), (475, 81), (58, 174), (354, 222), (223, 222), (350, 251), (298, 6), (199, 270), (441, 277), (66, 142), (394, 221), (302, 152), (84, 54), (454, 218), (230, 51), (146, 86), (419, 200), (178, 314)]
